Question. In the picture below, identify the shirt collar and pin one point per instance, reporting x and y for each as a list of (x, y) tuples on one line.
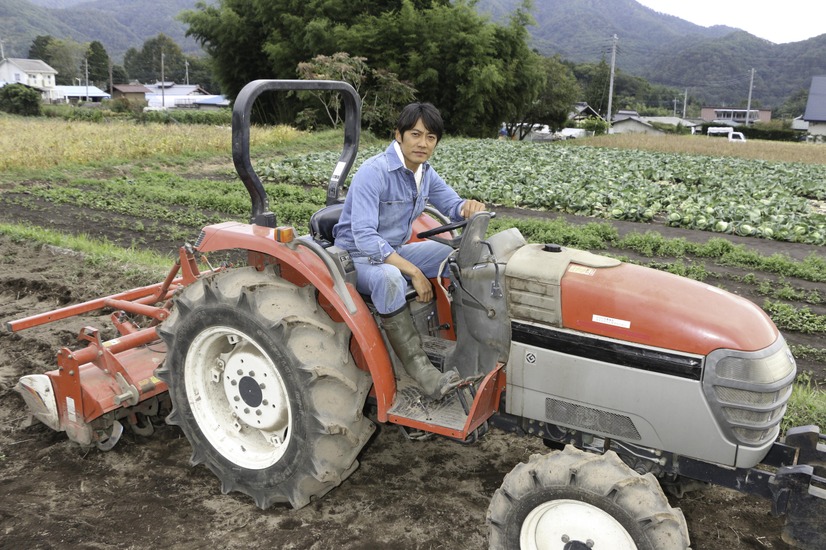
[(418, 173)]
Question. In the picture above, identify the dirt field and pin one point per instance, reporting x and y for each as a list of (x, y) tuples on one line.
[(143, 493)]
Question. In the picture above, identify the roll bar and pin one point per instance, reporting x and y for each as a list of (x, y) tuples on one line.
[(241, 139)]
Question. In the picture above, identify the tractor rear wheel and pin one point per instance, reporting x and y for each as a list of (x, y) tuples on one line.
[(263, 386), (576, 500)]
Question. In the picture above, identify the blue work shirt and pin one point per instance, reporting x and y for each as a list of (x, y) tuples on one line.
[(383, 202)]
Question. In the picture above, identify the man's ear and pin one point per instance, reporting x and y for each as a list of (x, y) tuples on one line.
[(398, 136)]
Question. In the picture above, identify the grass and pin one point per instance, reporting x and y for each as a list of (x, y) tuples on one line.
[(41, 144)]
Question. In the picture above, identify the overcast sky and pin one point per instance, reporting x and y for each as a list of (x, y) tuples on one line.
[(777, 21)]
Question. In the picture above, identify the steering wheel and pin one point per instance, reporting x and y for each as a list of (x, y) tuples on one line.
[(442, 229)]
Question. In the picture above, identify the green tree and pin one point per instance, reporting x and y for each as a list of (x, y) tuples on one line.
[(98, 61), (382, 94), (144, 65), (40, 48), (553, 104), (472, 69), (19, 99), (66, 57), (794, 106)]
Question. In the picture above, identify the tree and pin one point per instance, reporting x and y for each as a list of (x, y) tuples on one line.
[(473, 70), (40, 48), (553, 104), (66, 57), (98, 64), (382, 94), (19, 99), (144, 65)]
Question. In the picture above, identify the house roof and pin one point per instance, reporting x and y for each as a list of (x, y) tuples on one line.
[(171, 89), (816, 105), (80, 91), (132, 88), (673, 120), (31, 65)]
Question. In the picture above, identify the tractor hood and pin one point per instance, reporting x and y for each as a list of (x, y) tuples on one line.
[(598, 295)]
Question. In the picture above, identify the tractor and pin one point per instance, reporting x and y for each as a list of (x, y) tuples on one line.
[(639, 379)]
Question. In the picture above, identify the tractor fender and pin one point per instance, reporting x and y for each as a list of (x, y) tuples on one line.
[(303, 265)]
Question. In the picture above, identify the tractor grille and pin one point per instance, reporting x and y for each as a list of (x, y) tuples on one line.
[(749, 390), (590, 419)]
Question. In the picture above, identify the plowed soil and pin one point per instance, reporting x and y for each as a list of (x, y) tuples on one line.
[(143, 493)]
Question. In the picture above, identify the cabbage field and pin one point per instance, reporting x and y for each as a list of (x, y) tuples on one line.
[(774, 200)]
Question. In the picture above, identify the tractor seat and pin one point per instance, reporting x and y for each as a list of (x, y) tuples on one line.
[(322, 223), (321, 229)]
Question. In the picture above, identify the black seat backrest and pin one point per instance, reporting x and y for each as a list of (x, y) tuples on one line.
[(323, 221)]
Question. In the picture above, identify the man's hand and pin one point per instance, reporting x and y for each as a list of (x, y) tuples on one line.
[(423, 287), (471, 207)]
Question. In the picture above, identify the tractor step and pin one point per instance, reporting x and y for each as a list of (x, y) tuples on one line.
[(411, 404)]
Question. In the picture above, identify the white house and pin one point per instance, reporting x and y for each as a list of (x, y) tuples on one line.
[(75, 94), (630, 122), (32, 72), (168, 95)]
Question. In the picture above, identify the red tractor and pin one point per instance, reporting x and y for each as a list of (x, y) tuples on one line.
[(644, 378)]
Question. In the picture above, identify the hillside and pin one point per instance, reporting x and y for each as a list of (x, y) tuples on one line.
[(712, 63)]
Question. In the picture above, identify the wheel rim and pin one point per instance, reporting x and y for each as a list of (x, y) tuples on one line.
[(552, 525), (238, 397)]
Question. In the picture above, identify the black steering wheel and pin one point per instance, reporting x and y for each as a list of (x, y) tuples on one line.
[(442, 229)]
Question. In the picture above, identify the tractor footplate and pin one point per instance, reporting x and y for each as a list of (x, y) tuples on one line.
[(411, 403)]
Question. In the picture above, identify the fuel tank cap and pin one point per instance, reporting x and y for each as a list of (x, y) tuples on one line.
[(552, 248)]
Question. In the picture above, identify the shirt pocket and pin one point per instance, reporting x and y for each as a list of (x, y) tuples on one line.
[(393, 216)]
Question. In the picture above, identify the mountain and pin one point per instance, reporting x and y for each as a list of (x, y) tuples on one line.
[(713, 64), (117, 24)]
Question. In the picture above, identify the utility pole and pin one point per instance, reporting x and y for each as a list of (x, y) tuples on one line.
[(611, 82), (751, 87), (87, 79), (163, 86), (2, 50), (685, 102), (675, 106), (186, 64)]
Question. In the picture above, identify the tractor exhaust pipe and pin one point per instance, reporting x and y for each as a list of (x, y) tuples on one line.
[(241, 139)]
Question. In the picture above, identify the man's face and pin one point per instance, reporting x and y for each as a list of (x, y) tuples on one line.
[(417, 145)]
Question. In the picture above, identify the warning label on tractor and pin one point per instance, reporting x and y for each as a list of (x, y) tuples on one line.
[(611, 321), (582, 270)]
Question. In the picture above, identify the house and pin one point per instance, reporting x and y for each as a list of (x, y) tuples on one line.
[(77, 94), (132, 92), (815, 113), (212, 103), (31, 72), (672, 121), (582, 111), (734, 117), (168, 95), (630, 122)]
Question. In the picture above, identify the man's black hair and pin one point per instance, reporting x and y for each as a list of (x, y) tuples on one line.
[(430, 115)]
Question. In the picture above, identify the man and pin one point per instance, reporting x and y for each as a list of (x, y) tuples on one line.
[(386, 195)]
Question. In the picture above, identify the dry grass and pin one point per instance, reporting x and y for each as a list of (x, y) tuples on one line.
[(703, 145), (40, 143)]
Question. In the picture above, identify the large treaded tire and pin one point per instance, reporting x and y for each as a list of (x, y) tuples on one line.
[(263, 386), (574, 496)]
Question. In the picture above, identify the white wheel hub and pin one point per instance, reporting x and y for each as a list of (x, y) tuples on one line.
[(553, 524), (238, 397)]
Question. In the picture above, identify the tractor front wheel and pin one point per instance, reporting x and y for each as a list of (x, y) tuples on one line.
[(576, 500), (263, 386)]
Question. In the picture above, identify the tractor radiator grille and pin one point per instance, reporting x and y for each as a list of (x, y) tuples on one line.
[(590, 419), (749, 390)]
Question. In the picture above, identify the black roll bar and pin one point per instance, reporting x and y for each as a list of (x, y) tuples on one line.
[(241, 139)]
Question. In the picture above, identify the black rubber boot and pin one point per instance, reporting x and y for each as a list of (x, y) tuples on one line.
[(406, 342)]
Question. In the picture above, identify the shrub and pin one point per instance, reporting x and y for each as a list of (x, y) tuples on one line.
[(18, 99)]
